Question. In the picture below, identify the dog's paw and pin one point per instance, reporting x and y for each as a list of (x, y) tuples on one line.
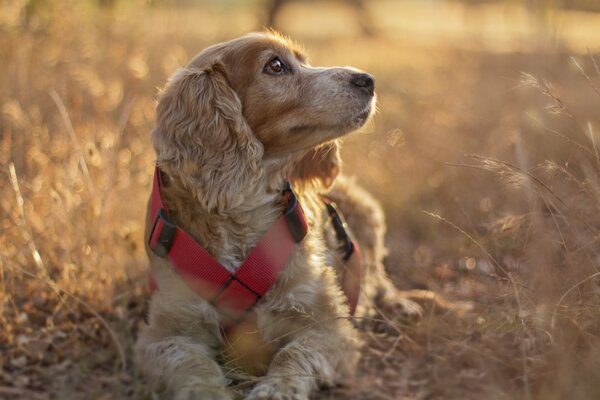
[(202, 392), (280, 389), (400, 308), (391, 315)]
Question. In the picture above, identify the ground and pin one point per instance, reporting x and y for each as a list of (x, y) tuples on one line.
[(483, 154)]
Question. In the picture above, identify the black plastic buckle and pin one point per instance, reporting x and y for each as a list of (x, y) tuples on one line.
[(341, 232), (294, 215), (166, 235)]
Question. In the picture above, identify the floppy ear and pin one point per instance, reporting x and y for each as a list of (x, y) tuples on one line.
[(320, 166), (202, 138)]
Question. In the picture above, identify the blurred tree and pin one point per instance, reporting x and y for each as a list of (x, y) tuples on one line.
[(109, 4), (364, 20), (36, 7), (584, 5), (539, 5)]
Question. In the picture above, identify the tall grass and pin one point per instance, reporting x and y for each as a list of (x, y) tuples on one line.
[(511, 228), (536, 335), (74, 169)]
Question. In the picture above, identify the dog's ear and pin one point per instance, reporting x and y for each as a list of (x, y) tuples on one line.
[(320, 166), (202, 138)]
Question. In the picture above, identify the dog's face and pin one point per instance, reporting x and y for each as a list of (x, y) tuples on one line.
[(289, 105), (254, 99)]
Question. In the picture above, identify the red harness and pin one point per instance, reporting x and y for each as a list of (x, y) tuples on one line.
[(236, 294)]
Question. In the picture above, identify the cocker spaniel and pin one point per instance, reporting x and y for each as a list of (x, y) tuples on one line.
[(236, 124)]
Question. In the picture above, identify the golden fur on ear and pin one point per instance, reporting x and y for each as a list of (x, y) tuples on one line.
[(319, 166), (202, 139)]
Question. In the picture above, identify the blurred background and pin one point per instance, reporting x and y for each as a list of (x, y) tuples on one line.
[(484, 155)]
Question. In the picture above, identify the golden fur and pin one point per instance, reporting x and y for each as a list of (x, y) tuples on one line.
[(228, 135)]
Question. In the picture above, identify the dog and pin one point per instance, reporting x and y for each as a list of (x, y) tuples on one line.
[(236, 124)]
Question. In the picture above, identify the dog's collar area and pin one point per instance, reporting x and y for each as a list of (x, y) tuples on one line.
[(351, 277), (236, 294), (293, 214), (340, 228), (233, 294)]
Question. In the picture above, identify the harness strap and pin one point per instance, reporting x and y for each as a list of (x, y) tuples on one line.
[(233, 294), (236, 294), (351, 277)]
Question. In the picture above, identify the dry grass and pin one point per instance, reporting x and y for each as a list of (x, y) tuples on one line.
[(486, 160)]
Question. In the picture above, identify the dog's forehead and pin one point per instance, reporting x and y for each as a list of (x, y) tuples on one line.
[(285, 44), (258, 43), (246, 49)]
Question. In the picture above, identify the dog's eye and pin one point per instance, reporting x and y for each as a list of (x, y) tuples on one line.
[(275, 67)]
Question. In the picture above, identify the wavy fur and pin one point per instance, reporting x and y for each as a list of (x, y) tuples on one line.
[(228, 135)]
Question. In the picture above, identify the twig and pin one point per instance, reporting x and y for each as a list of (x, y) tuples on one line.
[(560, 135), (593, 61), (67, 121), (11, 391), (553, 319), (594, 145), (122, 123), (21, 221), (585, 75), (472, 239), (539, 182), (99, 317)]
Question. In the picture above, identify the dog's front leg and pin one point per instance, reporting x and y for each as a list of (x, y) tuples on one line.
[(184, 363), (315, 357), (185, 366)]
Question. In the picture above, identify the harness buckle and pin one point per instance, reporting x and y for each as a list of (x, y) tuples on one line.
[(341, 232), (163, 244), (294, 214)]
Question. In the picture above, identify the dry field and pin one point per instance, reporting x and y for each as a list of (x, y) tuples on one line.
[(484, 154)]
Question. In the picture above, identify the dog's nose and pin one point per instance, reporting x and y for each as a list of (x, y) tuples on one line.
[(363, 81)]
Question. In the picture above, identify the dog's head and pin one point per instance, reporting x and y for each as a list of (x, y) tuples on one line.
[(240, 103)]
